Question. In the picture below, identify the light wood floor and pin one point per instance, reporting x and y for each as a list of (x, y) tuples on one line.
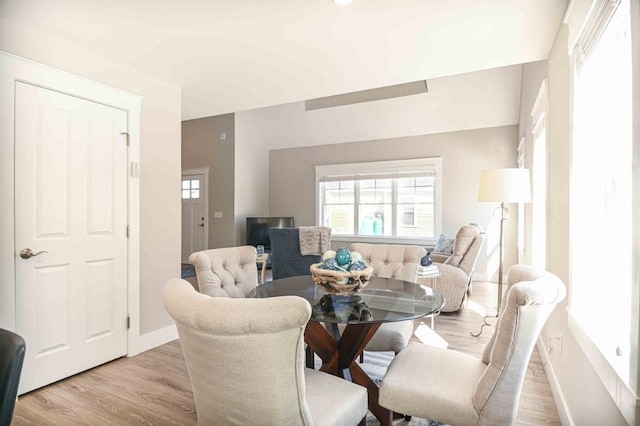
[(153, 388)]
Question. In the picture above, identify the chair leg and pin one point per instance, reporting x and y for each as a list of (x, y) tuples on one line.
[(310, 358), (361, 357)]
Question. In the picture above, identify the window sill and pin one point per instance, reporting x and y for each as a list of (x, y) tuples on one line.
[(622, 395), (422, 242)]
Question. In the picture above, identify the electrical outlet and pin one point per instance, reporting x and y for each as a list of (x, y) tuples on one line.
[(551, 344), (560, 339)]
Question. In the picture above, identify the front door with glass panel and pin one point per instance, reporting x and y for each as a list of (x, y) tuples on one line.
[(193, 215)]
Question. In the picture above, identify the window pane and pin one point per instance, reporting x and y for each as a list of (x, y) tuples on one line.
[(185, 193), (339, 218), (185, 184), (424, 226), (195, 193), (339, 193), (375, 219), (375, 191), (195, 184)]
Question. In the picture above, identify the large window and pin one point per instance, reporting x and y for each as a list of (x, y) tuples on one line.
[(539, 180), (601, 204), (386, 200)]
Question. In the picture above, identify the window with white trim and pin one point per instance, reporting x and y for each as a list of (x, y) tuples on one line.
[(539, 180), (601, 184), (397, 200)]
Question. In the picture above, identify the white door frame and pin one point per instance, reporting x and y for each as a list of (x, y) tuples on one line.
[(202, 171), (13, 69)]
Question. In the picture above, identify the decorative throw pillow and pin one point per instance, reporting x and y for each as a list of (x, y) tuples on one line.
[(444, 245)]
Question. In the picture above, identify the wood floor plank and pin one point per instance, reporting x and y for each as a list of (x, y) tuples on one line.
[(154, 388)]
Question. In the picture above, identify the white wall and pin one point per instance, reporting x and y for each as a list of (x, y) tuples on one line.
[(468, 101), (251, 174), (159, 155)]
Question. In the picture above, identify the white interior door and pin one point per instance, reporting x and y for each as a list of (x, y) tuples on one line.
[(71, 207), (193, 214)]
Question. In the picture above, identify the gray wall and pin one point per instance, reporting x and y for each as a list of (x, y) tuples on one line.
[(202, 147), (464, 154)]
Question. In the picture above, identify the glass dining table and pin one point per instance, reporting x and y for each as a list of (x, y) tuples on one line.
[(382, 300)]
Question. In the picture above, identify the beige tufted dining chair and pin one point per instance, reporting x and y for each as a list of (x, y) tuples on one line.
[(451, 387), (226, 272), (391, 261), (245, 360)]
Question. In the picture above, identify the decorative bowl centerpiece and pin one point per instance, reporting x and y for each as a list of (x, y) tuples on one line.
[(341, 271)]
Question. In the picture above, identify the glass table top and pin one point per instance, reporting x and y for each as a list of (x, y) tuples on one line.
[(382, 300)]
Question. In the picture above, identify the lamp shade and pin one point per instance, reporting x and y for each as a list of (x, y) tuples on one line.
[(505, 186)]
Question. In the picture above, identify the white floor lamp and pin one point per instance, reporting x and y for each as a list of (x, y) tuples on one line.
[(504, 186)]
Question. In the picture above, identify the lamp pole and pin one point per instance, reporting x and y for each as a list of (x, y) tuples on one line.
[(504, 215)]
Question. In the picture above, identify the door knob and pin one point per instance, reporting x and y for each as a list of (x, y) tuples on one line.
[(27, 253), (202, 224)]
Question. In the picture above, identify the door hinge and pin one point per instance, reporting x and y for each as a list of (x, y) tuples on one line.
[(125, 133), (128, 231), (128, 323)]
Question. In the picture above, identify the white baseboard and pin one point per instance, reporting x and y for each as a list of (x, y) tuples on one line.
[(158, 338), (556, 391)]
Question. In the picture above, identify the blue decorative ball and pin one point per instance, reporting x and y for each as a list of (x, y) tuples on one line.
[(330, 264), (426, 260), (343, 257), (357, 266)]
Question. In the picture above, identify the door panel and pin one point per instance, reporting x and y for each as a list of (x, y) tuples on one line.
[(71, 202), (193, 215)]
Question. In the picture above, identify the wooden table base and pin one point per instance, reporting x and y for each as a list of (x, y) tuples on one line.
[(339, 355)]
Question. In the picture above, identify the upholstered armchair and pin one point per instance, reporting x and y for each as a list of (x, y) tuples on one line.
[(458, 389), (391, 261), (457, 268), (286, 259), (226, 272), (245, 360)]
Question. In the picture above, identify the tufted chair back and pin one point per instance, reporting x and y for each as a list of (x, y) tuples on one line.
[(454, 388), (531, 296), (390, 260), (226, 272), (245, 361)]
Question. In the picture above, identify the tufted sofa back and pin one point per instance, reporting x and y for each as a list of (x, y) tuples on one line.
[(226, 272), (390, 260)]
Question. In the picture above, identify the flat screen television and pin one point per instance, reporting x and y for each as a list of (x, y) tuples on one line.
[(258, 229)]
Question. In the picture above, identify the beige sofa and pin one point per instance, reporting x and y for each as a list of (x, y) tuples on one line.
[(457, 268)]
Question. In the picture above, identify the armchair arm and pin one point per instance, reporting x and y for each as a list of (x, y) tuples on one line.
[(439, 257)]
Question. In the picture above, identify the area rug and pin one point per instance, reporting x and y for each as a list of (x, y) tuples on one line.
[(188, 271), (375, 365)]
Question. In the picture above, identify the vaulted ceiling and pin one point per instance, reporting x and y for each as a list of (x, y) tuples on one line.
[(234, 55)]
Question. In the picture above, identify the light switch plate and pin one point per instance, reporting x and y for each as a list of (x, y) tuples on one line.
[(217, 214)]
